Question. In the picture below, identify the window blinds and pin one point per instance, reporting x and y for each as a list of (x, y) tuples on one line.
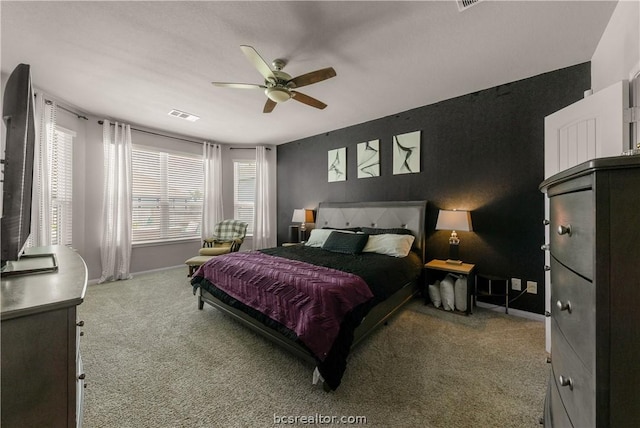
[(244, 191), (167, 191), (61, 159)]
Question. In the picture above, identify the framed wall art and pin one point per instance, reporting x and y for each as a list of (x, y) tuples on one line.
[(337, 165), (369, 159), (406, 153)]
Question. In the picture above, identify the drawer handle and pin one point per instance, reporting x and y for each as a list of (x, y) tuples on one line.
[(564, 230), (564, 306), (566, 381)]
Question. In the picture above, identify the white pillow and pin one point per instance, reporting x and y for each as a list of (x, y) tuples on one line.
[(389, 244), (460, 290), (447, 294), (318, 236), (434, 294)]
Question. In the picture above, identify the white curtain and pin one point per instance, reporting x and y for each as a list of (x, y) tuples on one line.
[(41, 191), (263, 229), (212, 209), (115, 246)]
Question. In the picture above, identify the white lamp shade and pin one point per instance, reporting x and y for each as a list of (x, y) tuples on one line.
[(298, 216), (302, 216), (454, 220)]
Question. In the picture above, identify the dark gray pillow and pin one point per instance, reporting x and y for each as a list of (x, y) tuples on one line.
[(346, 243), (394, 230)]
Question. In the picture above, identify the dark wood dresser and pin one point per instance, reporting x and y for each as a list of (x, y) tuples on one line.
[(595, 295), (42, 374)]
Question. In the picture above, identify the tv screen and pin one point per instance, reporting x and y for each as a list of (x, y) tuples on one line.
[(18, 116)]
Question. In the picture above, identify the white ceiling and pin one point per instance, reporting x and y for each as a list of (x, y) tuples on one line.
[(135, 61)]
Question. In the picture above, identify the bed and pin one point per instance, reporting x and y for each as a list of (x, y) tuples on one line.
[(320, 301)]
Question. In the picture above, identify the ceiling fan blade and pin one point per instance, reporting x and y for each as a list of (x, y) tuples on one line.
[(238, 85), (269, 106), (313, 77), (257, 61), (306, 99)]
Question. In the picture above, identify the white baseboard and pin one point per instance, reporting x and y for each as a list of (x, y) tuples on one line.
[(95, 281), (515, 312)]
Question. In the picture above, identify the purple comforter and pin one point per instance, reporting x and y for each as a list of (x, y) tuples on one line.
[(310, 300)]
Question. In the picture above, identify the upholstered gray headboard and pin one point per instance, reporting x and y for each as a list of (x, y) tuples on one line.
[(405, 214)]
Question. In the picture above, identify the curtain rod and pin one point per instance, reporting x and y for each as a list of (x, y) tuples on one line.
[(246, 148), (158, 134), (68, 110), (182, 139)]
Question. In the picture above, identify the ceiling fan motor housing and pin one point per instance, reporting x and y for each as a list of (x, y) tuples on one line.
[(278, 93), (277, 89)]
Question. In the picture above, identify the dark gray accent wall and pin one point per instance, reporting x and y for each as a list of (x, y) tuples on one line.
[(483, 152)]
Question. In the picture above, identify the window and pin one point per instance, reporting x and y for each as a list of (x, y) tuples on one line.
[(61, 167), (244, 191), (167, 191)]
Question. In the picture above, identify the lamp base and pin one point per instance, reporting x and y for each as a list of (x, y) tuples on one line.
[(454, 253), (303, 234)]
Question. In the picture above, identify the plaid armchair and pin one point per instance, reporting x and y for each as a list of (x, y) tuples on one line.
[(228, 237)]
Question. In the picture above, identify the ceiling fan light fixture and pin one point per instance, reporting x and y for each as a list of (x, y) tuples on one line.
[(278, 94)]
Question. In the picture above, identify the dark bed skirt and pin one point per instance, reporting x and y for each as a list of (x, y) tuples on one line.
[(377, 316)]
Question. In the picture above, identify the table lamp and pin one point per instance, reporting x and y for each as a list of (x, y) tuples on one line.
[(302, 216), (454, 220)]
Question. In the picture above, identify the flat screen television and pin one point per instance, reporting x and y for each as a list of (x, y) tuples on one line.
[(17, 175)]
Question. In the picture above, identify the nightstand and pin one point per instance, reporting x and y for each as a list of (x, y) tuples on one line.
[(432, 268)]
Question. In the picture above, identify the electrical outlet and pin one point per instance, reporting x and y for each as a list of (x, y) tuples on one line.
[(532, 287), (516, 284)]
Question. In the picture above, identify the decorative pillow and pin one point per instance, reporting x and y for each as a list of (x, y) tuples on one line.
[(347, 243), (447, 293), (378, 231), (460, 290), (434, 294), (319, 236), (389, 244)]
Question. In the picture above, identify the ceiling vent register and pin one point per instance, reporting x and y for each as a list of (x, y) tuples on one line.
[(466, 4), (183, 115)]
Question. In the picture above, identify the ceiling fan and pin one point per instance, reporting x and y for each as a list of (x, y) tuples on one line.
[(279, 86)]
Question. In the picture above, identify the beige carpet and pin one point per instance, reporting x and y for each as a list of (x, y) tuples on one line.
[(153, 360)]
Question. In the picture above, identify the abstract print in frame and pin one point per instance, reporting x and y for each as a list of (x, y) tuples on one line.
[(337, 170), (406, 153), (369, 159)]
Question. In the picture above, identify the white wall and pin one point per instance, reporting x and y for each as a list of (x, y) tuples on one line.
[(617, 56)]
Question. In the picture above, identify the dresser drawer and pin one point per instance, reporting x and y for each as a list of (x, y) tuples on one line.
[(573, 307), (555, 414), (572, 225), (579, 398)]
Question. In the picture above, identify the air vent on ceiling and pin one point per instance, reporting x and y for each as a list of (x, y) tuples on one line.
[(466, 4), (184, 115)]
